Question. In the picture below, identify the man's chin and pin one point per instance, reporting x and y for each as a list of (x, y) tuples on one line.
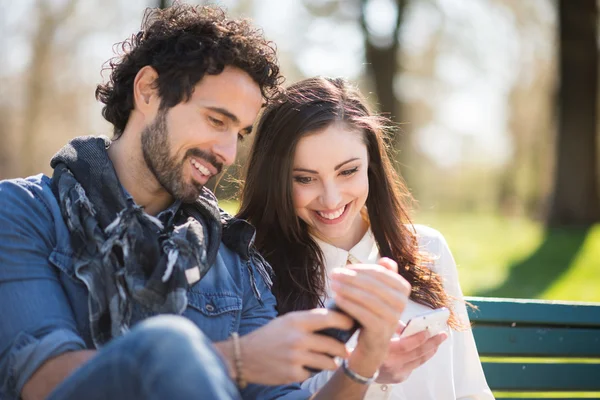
[(192, 195)]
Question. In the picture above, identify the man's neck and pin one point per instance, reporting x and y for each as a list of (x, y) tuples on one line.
[(136, 178)]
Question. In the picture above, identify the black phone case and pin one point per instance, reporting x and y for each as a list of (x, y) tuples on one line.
[(340, 335)]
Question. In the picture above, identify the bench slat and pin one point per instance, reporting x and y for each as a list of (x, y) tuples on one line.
[(544, 398), (542, 377), (540, 312), (537, 342)]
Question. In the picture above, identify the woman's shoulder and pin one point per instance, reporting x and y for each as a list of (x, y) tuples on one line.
[(430, 240)]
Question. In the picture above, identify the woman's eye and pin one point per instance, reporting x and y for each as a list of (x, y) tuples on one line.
[(241, 137), (303, 179), (349, 172)]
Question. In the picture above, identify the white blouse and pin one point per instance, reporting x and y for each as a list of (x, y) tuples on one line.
[(454, 372)]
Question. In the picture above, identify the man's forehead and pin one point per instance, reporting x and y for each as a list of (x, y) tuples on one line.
[(233, 93)]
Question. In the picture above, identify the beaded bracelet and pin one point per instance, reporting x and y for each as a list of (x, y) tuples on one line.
[(237, 359)]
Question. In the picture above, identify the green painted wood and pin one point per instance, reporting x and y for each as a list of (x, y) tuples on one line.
[(537, 342), (545, 398), (523, 377), (540, 312)]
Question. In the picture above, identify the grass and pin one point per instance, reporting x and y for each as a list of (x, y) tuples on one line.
[(505, 257), (516, 257)]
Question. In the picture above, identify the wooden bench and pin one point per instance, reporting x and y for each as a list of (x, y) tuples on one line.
[(563, 337)]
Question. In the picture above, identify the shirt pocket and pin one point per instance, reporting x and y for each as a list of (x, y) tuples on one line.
[(216, 314)]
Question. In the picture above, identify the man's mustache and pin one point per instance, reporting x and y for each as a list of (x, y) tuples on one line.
[(206, 156)]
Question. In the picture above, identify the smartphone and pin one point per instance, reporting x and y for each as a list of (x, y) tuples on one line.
[(434, 321), (338, 334)]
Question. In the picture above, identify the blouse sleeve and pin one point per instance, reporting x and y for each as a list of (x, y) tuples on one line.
[(469, 379)]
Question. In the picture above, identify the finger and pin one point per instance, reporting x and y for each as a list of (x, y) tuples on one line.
[(417, 362), (409, 343), (317, 319), (356, 272), (400, 327), (318, 343), (409, 353), (389, 264), (318, 361), (370, 292), (368, 317)]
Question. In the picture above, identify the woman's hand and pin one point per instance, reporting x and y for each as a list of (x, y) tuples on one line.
[(406, 354), (375, 295)]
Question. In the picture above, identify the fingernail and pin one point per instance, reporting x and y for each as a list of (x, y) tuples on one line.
[(342, 271)]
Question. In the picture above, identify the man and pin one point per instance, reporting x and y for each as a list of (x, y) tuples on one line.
[(92, 260)]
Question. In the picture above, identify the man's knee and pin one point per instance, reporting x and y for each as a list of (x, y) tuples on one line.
[(167, 335)]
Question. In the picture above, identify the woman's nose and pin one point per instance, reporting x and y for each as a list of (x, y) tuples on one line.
[(331, 197)]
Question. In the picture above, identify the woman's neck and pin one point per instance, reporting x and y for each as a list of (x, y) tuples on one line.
[(352, 237)]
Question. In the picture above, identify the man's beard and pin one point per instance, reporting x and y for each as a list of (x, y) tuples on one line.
[(165, 167)]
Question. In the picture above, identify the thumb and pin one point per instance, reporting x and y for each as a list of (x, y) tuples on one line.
[(400, 327), (388, 263)]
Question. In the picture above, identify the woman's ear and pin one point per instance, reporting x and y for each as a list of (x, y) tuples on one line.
[(145, 92)]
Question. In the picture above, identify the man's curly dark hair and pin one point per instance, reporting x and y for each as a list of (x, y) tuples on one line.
[(183, 43)]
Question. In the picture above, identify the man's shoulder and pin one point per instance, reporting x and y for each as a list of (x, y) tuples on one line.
[(26, 192)]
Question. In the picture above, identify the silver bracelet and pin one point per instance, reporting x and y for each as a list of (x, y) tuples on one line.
[(356, 377)]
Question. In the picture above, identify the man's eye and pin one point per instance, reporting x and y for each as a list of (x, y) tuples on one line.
[(216, 122), (349, 172), (303, 179)]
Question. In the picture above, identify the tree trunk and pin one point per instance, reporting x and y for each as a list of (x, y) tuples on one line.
[(576, 200), (382, 66), (36, 86)]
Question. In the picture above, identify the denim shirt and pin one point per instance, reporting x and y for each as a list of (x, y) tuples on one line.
[(44, 307)]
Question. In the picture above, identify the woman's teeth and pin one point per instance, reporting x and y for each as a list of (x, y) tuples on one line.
[(203, 170), (332, 215)]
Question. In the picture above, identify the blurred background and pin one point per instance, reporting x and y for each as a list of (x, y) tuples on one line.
[(495, 103)]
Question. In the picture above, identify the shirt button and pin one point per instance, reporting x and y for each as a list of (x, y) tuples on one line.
[(210, 308), (384, 388)]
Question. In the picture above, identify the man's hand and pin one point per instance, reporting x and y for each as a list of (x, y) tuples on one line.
[(277, 353), (375, 295), (406, 354)]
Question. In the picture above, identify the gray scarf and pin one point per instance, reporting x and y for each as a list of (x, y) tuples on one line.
[(128, 259)]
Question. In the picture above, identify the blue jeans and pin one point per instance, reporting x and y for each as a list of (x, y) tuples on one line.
[(163, 357)]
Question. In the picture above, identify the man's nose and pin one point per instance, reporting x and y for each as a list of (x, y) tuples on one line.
[(225, 149)]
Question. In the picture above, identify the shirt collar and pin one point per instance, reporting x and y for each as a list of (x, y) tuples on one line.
[(365, 251), (165, 216)]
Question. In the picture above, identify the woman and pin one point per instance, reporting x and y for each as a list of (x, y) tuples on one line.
[(322, 193)]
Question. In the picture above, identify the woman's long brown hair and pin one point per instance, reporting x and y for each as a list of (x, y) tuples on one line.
[(266, 198)]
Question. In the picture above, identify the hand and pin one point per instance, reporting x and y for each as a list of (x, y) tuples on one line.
[(278, 352), (406, 354), (375, 295)]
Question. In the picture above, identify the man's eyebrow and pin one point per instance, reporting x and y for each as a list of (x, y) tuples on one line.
[(340, 165), (232, 117), (225, 113)]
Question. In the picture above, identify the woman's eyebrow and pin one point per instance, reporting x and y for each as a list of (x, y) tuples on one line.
[(340, 165)]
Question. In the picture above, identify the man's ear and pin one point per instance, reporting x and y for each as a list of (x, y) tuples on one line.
[(145, 92)]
